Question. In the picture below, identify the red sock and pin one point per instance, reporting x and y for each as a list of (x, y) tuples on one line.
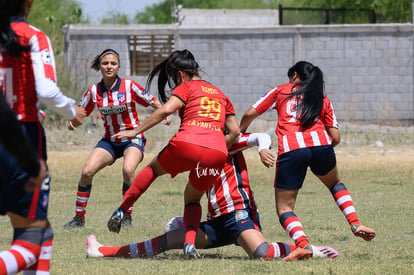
[(140, 184), (43, 263), (279, 250), (82, 197), (344, 202), (192, 218), (148, 248), (21, 255), (293, 227), (125, 188)]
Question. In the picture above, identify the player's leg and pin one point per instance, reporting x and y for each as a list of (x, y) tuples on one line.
[(97, 160), (324, 167), (25, 249), (133, 156), (173, 239), (291, 171)]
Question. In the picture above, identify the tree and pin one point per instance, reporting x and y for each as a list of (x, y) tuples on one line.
[(116, 18), (388, 11)]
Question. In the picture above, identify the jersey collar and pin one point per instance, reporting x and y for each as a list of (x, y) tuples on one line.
[(115, 88)]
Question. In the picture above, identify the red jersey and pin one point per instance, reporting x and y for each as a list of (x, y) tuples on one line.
[(290, 136), (204, 114), (31, 76), (117, 106), (231, 191)]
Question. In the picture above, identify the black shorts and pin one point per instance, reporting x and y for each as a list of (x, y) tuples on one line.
[(117, 149), (291, 167), (225, 230), (13, 197)]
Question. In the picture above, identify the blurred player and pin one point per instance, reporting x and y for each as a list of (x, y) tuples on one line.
[(232, 217), (198, 147), (27, 74), (116, 99), (307, 131)]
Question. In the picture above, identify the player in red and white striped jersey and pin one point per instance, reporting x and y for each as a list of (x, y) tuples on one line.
[(27, 75), (307, 131), (116, 100), (232, 218)]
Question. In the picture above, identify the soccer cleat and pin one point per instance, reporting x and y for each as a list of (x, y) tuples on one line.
[(127, 221), (92, 246), (298, 254), (363, 232), (323, 252), (115, 222), (77, 221), (190, 252)]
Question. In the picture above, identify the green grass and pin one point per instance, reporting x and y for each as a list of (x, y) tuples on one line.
[(380, 180)]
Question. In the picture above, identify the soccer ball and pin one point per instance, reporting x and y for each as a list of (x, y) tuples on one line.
[(174, 223)]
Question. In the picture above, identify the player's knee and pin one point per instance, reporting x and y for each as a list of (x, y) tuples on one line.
[(261, 251)]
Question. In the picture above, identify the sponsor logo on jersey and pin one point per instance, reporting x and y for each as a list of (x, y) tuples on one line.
[(110, 110)]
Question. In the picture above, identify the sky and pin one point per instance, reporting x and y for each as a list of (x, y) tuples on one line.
[(97, 9)]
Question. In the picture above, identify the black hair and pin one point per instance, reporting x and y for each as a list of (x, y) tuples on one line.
[(309, 96), (97, 60), (167, 70), (8, 42)]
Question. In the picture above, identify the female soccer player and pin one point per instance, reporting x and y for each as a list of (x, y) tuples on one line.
[(27, 74), (307, 131), (116, 99), (232, 217), (198, 147)]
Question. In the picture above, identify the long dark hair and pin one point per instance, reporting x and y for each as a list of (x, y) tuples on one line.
[(8, 42), (168, 69), (309, 96)]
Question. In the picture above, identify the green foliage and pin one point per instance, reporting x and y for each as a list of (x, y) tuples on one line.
[(162, 13), (116, 18), (388, 11)]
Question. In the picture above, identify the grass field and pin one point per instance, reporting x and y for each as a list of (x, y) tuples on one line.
[(380, 180)]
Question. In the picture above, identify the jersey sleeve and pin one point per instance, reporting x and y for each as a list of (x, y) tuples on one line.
[(230, 108), (141, 95), (328, 116), (88, 100), (266, 102), (247, 140), (43, 64)]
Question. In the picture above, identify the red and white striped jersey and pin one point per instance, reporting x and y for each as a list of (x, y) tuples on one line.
[(117, 106), (231, 191), (31, 76), (288, 130)]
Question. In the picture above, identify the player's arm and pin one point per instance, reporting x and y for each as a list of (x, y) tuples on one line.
[(172, 105), (334, 134), (156, 105), (232, 130), (264, 142), (250, 115)]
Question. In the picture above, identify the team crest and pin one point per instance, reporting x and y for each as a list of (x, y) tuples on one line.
[(121, 97), (241, 215)]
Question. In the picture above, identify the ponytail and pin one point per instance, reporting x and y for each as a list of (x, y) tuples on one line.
[(310, 94), (8, 42), (168, 72)]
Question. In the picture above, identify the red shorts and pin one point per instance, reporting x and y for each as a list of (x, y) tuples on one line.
[(204, 164)]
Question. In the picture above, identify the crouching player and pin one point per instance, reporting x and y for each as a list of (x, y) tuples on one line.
[(232, 217)]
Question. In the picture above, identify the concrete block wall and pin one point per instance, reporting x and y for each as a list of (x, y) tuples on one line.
[(368, 68)]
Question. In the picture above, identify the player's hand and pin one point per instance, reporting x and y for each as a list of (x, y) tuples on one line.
[(126, 134), (267, 157), (70, 126), (80, 116), (167, 120), (36, 183)]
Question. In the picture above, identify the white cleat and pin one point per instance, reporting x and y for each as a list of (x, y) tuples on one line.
[(324, 252), (93, 247)]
